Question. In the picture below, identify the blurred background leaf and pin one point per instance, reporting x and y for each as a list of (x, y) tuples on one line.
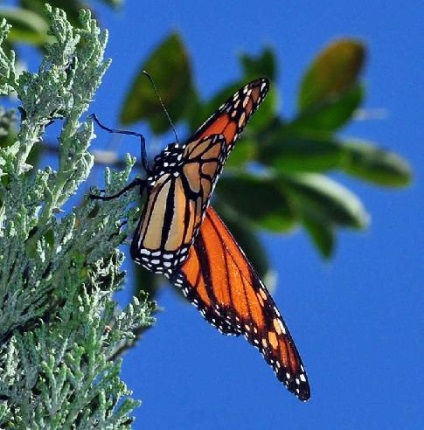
[(170, 59), (335, 70)]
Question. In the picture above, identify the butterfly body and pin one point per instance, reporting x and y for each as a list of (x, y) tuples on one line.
[(181, 236)]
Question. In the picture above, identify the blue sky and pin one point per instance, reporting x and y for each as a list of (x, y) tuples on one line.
[(357, 320)]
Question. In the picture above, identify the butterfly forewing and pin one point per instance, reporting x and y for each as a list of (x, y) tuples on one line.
[(179, 187), (231, 118)]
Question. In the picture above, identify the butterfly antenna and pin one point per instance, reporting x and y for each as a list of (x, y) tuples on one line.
[(155, 88)]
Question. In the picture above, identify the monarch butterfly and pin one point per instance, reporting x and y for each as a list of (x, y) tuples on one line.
[(181, 236)]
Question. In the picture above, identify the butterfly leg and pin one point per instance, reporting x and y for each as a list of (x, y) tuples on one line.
[(131, 133), (137, 182)]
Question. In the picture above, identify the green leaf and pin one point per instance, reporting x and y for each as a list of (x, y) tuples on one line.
[(27, 26), (113, 3), (321, 233), (332, 113), (326, 199), (199, 110), (370, 163), (307, 152), (334, 71), (269, 209), (170, 69), (244, 152), (146, 282), (262, 65)]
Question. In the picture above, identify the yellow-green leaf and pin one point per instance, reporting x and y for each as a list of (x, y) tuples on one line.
[(333, 71)]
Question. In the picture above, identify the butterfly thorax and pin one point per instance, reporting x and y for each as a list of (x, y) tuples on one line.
[(169, 161)]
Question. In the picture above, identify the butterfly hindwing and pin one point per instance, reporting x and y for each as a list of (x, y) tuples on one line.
[(219, 280)]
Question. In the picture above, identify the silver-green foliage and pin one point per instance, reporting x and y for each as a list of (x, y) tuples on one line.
[(60, 331)]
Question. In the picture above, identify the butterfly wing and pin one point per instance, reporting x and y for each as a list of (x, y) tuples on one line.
[(232, 116), (182, 180), (219, 280), (175, 204), (203, 162)]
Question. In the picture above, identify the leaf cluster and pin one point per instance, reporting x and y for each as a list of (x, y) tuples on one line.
[(281, 175)]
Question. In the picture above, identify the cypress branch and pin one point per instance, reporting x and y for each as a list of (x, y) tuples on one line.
[(60, 330)]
